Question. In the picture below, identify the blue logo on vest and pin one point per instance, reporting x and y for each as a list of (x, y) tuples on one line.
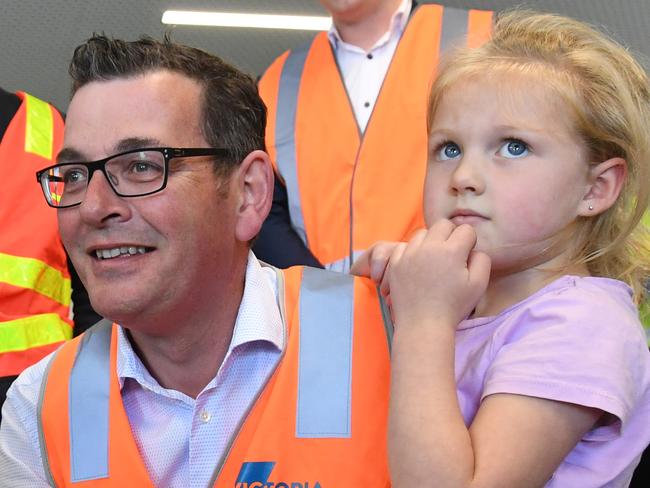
[(256, 475)]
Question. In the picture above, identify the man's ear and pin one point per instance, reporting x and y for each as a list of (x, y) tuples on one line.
[(606, 180), (254, 182)]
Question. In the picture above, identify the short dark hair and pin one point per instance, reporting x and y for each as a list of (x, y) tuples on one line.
[(234, 115)]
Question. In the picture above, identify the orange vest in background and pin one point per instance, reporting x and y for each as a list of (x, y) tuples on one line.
[(320, 420), (34, 280), (348, 190)]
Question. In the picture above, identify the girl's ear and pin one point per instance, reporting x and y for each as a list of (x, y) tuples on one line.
[(606, 180)]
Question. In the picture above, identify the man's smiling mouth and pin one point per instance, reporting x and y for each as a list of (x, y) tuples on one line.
[(110, 253)]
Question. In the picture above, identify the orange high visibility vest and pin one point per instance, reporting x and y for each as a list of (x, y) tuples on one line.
[(34, 280), (348, 190), (320, 420)]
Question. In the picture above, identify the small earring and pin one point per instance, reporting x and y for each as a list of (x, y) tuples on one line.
[(591, 207)]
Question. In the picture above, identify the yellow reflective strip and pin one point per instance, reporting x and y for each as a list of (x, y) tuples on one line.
[(39, 130), (35, 275), (34, 331)]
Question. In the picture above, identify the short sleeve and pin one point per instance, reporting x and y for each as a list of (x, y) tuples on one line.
[(579, 345)]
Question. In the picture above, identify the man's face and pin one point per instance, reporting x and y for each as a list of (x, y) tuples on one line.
[(187, 230), (351, 11)]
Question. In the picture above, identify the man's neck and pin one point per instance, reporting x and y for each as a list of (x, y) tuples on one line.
[(188, 358), (364, 31)]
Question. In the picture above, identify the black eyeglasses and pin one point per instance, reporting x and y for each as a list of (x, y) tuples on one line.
[(132, 173)]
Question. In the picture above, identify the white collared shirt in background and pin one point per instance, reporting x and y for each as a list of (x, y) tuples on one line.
[(363, 72)]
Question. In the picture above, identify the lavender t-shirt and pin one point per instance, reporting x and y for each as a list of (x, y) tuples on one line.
[(577, 340)]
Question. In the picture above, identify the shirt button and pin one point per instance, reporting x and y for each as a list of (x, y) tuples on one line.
[(205, 416), (369, 56), (367, 104)]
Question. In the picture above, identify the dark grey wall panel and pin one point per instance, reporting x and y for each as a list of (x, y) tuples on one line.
[(37, 36)]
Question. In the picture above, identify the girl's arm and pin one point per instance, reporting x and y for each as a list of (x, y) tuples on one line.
[(515, 440)]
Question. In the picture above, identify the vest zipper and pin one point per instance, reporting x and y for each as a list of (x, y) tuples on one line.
[(362, 134)]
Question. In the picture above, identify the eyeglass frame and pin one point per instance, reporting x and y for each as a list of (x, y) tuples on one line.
[(168, 153)]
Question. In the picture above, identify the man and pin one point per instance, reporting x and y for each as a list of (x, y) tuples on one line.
[(347, 128), (35, 281), (221, 372)]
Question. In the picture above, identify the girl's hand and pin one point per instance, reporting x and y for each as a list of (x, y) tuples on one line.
[(373, 263), (437, 276)]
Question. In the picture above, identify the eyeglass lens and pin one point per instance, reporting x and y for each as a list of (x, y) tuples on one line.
[(131, 174)]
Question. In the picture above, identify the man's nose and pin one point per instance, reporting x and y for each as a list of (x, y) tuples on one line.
[(101, 203)]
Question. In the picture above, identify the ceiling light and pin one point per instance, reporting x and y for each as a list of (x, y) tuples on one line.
[(262, 21)]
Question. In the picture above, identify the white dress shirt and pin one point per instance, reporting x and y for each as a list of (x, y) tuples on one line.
[(180, 439), (364, 71)]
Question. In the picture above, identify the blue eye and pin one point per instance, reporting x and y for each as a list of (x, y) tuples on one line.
[(448, 150), (513, 148)]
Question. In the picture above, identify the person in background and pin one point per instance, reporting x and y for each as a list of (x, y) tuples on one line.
[(347, 132), (35, 279), (517, 335), (212, 369)]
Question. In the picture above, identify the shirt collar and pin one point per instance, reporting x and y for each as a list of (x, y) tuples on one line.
[(396, 28), (259, 313), (258, 319)]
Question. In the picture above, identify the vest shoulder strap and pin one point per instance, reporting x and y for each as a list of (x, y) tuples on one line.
[(326, 329)]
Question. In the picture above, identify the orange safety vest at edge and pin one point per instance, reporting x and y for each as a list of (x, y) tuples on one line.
[(320, 420), (346, 191), (34, 280)]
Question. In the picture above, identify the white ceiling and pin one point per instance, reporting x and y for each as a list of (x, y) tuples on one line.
[(37, 37)]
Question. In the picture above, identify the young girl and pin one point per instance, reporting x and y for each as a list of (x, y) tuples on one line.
[(518, 356)]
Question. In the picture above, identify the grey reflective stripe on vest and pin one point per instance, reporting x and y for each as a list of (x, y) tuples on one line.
[(339, 266), (325, 359), (285, 133), (343, 265), (454, 28), (89, 407)]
